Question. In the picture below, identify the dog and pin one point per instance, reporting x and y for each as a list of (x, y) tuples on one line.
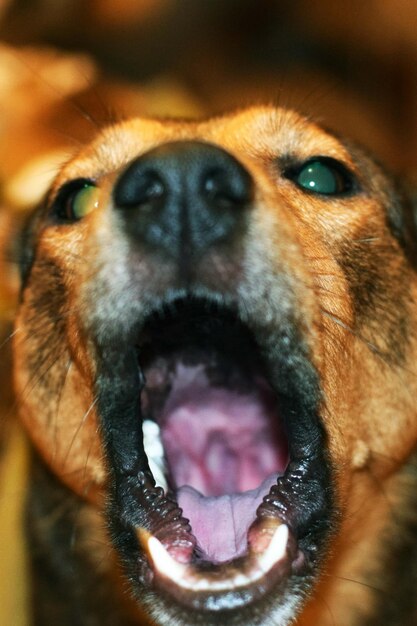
[(214, 357)]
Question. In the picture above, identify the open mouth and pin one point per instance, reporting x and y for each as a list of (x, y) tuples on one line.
[(222, 492), (212, 430)]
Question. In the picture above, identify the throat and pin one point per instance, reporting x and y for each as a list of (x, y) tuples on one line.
[(219, 440)]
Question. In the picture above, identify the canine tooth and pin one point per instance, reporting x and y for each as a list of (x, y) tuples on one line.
[(158, 474), (276, 549), (154, 450), (164, 562)]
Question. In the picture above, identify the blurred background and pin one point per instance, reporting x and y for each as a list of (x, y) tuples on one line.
[(69, 66)]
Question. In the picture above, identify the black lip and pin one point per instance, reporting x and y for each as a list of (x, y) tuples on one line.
[(302, 498)]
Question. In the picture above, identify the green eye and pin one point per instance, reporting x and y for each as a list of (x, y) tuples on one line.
[(75, 200), (85, 201), (323, 175)]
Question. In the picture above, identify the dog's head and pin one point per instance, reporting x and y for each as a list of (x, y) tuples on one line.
[(214, 341)]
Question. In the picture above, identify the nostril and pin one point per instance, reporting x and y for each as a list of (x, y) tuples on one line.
[(139, 190), (224, 190)]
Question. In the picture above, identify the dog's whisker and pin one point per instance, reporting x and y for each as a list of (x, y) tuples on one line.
[(369, 344), (326, 604), (44, 317), (364, 584), (382, 355), (82, 422), (327, 274), (50, 360), (70, 100), (59, 399), (330, 292), (88, 485), (367, 240), (7, 340)]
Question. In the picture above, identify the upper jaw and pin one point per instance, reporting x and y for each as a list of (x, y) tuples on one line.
[(289, 529)]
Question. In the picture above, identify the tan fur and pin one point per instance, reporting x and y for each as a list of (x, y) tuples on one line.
[(292, 234)]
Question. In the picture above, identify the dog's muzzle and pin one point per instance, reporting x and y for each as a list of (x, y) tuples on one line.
[(209, 403)]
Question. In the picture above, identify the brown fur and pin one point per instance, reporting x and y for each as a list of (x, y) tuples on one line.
[(354, 291)]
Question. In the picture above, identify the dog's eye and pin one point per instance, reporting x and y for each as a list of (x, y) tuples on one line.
[(75, 200), (323, 175)]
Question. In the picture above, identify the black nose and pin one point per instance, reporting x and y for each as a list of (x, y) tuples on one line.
[(183, 197)]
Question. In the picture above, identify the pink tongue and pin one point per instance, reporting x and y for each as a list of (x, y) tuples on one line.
[(224, 450), (221, 523)]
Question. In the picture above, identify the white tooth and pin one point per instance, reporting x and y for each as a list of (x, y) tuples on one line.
[(154, 450), (163, 561), (158, 474), (240, 580), (276, 549), (185, 577), (201, 585)]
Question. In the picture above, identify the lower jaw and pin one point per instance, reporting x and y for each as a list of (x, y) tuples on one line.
[(270, 559), (284, 544)]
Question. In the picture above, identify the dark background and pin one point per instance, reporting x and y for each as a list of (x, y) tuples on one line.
[(352, 63)]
